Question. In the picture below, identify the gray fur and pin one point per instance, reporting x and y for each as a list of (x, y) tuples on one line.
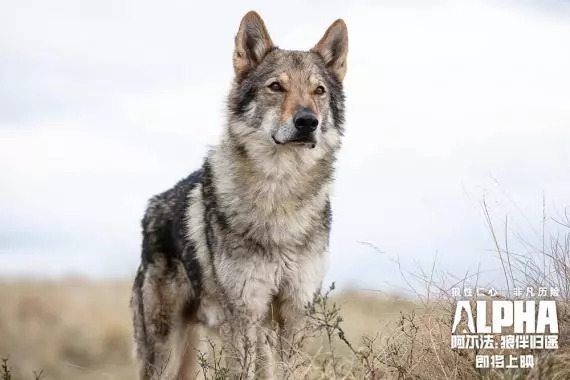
[(242, 243)]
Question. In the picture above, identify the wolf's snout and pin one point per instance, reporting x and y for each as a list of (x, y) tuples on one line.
[(305, 121)]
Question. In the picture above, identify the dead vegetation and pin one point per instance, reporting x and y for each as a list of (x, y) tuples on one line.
[(81, 330), (70, 329)]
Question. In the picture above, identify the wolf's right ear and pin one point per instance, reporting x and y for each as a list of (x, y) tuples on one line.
[(252, 43), (333, 48)]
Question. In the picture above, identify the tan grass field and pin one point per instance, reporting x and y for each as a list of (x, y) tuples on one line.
[(81, 330)]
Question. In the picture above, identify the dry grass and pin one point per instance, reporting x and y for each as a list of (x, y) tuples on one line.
[(81, 330), (71, 329)]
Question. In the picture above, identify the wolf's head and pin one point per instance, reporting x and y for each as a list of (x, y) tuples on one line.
[(286, 100)]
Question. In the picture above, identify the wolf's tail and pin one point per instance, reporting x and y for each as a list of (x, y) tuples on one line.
[(142, 351)]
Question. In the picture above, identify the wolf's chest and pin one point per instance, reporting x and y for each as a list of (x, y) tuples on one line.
[(250, 282), (276, 219)]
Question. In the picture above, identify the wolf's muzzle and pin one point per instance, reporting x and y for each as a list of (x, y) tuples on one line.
[(305, 121)]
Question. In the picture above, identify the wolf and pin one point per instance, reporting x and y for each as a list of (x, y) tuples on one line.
[(241, 245)]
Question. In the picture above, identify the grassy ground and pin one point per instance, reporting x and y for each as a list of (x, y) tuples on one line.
[(81, 330), (70, 329)]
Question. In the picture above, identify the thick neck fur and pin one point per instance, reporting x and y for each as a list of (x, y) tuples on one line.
[(274, 192)]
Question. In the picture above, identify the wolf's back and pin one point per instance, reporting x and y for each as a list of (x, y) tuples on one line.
[(164, 222)]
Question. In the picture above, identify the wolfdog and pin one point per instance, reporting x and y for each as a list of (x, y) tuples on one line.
[(241, 244)]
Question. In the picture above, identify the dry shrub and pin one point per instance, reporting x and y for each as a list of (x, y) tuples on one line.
[(82, 331), (419, 348)]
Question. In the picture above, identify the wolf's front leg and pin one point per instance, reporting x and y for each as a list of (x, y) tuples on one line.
[(249, 350), (240, 343), (266, 343), (296, 293), (248, 289), (292, 323)]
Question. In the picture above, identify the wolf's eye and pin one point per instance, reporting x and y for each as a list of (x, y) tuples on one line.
[(320, 90), (276, 86)]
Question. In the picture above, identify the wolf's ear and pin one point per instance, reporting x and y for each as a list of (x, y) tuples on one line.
[(252, 43), (333, 48)]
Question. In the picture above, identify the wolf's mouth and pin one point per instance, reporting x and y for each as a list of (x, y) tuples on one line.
[(306, 141)]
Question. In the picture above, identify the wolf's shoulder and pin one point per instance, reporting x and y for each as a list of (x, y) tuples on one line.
[(164, 220), (168, 203)]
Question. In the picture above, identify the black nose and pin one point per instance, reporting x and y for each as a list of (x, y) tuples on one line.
[(305, 121)]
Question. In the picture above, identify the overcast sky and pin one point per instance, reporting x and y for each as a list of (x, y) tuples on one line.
[(105, 103)]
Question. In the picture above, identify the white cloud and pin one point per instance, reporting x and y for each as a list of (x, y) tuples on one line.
[(446, 103), (55, 148)]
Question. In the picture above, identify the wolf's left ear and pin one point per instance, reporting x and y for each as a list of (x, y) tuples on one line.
[(252, 43), (333, 48)]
